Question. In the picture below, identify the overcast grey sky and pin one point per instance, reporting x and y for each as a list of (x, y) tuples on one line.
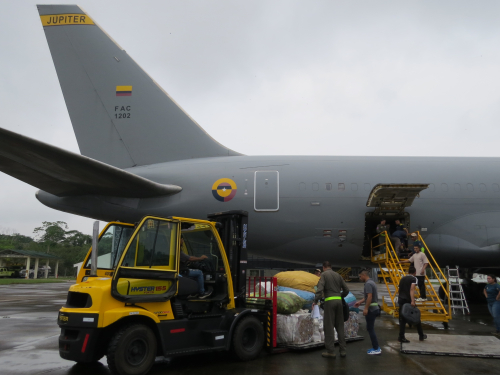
[(277, 78)]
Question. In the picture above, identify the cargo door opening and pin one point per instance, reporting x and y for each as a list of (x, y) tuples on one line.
[(390, 202)]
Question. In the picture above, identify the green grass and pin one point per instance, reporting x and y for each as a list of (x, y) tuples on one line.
[(33, 281)]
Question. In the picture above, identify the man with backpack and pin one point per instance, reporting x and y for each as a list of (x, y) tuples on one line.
[(407, 287)]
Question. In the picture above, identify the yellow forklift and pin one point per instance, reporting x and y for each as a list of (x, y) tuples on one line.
[(133, 303)]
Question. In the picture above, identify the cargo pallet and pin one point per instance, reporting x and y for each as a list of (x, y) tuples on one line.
[(266, 298)]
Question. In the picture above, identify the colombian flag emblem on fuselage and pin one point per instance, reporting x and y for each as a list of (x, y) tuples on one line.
[(123, 90), (224, 189)]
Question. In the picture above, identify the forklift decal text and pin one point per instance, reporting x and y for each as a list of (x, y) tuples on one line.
[(148, 289)]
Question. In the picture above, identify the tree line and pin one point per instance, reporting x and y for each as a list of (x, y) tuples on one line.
[(53, 238)]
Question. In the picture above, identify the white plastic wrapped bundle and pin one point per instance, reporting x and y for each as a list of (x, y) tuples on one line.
[(295, 329), (351, 327), (318, 332)]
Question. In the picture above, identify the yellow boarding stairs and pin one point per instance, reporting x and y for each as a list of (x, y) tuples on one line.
[(345, 273), (431, 310)]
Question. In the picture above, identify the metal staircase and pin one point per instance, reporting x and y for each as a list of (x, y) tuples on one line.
[(391, 271), (345, 273), (456, 292)]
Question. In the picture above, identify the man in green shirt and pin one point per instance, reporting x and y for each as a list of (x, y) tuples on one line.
[(331, 287)]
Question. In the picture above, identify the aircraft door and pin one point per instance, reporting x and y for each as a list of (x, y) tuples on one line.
[(147, 270), (266, 195), (112, 240)]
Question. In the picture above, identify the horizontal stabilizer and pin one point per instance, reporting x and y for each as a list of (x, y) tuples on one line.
[(64, 173)]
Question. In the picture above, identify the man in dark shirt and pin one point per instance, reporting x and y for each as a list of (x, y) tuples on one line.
[(492, 294), (332, 286), (194, 274), (401, 232), (407, 295)]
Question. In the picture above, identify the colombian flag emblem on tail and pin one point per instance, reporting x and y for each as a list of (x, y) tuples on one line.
[(123, 90), (224, 189)]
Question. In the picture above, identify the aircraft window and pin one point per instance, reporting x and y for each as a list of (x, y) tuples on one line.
[(153, 246), (354, 187), (457, 187), (367, 187), (482, 187), (496, 187), (328, 186), (341, 187), (432, 187), (444, 187), (315, 186), (470, 187), (302, 186)]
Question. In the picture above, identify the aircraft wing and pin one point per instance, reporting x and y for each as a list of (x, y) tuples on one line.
[(64, 173)]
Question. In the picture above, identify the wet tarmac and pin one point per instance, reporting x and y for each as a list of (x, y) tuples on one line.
[(29, 334)]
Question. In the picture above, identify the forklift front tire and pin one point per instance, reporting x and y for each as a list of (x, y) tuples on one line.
[(248, 339), (132, 350)]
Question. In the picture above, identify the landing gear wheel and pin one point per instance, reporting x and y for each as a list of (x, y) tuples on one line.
[(132, 350), (445, 325), (248, 339)]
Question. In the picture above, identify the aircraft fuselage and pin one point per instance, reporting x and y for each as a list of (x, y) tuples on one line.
[(301, 198)]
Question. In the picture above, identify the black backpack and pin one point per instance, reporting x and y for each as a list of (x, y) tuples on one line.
[(411, 314)]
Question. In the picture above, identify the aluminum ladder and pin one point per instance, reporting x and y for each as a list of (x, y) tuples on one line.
[(456, 292)]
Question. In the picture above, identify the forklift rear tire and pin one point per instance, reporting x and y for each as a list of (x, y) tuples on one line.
[(132, 350), (248, 339)]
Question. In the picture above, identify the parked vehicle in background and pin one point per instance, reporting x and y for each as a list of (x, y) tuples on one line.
[(40, 273), (5, 272), (22, 273)]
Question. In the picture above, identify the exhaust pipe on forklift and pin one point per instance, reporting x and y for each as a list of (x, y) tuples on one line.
[(95, 241)]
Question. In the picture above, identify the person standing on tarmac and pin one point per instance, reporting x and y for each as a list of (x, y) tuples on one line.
[(332, 286), (492, 294), (371, 310), (407, 295)]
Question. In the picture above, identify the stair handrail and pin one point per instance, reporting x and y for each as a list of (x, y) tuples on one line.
[(395, 270), (428, 253)]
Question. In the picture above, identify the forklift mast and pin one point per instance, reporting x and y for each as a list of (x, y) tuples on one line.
[(233, 230)]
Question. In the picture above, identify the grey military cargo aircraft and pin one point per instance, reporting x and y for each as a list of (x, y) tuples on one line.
[(141, 154)]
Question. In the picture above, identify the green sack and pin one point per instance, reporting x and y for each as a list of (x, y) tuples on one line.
[(289, 303)]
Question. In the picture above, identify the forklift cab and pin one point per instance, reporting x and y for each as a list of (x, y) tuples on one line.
[(149, 269)]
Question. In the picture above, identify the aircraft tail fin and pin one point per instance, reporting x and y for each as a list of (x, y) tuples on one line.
[(120, 115)]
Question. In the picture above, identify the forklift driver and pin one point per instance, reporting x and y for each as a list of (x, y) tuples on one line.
[(194, 274)]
